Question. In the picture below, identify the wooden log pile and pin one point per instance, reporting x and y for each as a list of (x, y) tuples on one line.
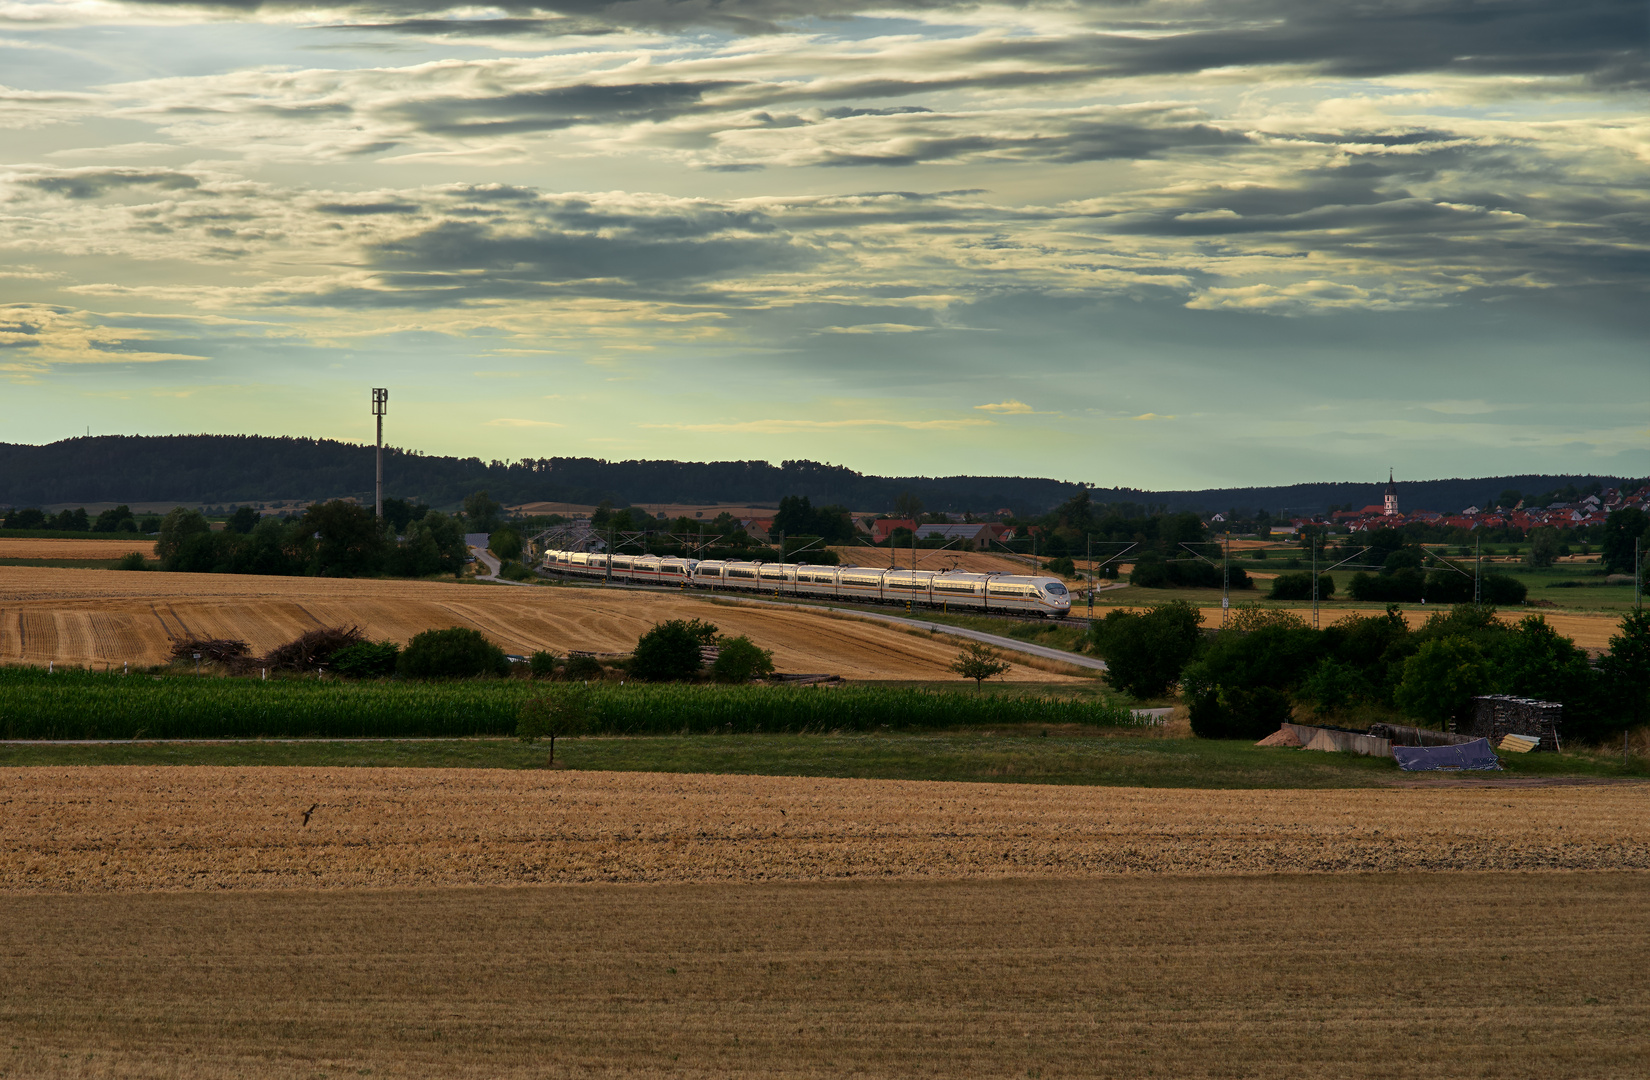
[(1495, 716)]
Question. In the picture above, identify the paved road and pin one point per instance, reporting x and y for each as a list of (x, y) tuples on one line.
[(478, 548)]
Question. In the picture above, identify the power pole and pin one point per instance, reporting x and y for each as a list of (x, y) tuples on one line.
[(1477, 569), (1226, 575), (380, 402), (1638, 575), (1313, 536), (607, 563), (1094, 578)]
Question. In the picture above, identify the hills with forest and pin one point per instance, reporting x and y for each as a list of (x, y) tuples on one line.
[(240, 469)]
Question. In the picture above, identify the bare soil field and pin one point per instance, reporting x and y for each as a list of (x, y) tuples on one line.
[(1484, 975), (140, 828), (27, 548), (97, 617)]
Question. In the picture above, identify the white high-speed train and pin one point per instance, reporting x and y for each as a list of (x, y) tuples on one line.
[(1008, 593)]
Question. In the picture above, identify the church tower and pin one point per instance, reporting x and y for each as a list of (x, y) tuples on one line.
[(1391, 496)]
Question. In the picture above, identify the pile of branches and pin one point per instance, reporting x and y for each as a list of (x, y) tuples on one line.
[(226, 651), (312, 650)]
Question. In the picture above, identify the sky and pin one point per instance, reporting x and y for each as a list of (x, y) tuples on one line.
[(1156, 243)]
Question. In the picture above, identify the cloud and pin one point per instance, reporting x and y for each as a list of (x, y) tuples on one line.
[(787, 427), (1009, 407), (34, 338), (1153, 416), (92, 183), (511, 422), (875, 328)]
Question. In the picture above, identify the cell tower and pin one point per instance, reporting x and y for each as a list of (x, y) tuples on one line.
[(380, 402)]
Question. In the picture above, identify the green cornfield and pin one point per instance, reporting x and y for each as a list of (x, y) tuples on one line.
[(73, 704)]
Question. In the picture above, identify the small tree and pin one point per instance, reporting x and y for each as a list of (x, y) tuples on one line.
[(1626, 671), (670, 651), (740, 660), (1543, 547), (542, 665), (1145, 653), (1441, 680), (563, 714), (979, 662)]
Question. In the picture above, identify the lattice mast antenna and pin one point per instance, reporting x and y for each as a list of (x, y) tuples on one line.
[(380, 402)]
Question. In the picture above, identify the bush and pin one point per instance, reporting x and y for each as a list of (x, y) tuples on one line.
[(670, 651), (1233, 713), (582, 669), (506, 544), (132, 560), (1062, 566), (457, 653), (514, 571), (542, 665), (1299, 587), (1503, 589), (1145, 653), (740, 660), (366, 659)]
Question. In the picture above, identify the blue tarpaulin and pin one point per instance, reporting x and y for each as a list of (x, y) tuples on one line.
[(1473, 755)]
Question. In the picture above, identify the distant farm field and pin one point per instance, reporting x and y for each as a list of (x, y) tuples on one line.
[(88, 548), (98, 617), (1589, 629)]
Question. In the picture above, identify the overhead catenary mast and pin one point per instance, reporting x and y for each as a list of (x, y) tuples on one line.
[(380, 401)]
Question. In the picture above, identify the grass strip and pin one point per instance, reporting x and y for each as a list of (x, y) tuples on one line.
[(1020, 755)]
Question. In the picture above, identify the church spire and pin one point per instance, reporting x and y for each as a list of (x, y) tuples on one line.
[(1391, 508)]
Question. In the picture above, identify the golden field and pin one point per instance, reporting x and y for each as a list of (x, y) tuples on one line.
[(198, 828), (1499, 976), (1590, 631), (98, 617), (75, 548)]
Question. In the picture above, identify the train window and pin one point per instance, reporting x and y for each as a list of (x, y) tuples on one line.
[(1054, 588)]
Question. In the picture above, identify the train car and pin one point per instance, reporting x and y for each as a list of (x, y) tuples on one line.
[(1012, 594)]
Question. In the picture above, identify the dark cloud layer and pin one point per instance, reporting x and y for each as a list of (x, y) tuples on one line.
[(1602, 40), (95, 183)]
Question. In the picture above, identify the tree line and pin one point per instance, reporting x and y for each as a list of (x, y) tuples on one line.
[(1243, 681), (333, 539)]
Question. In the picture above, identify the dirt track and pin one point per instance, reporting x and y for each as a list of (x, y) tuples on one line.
[(147, 828), (99, 617)]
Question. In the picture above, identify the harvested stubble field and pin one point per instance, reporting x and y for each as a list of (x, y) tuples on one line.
[(49, 548), (98, 617), (1480, 975), (209, 828), (1589, 631)]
